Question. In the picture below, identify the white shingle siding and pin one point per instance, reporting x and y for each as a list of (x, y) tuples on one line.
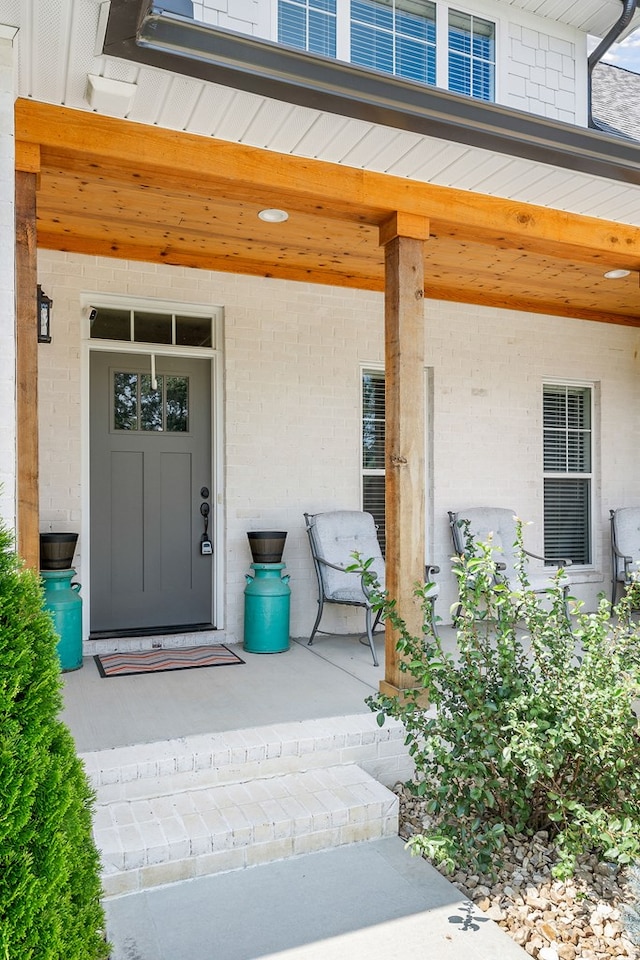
[(7, 288), (293, 354), (541, 74)]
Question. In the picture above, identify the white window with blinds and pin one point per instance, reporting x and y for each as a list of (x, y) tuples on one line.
[(373, 448), (422, 40), (568, 471)]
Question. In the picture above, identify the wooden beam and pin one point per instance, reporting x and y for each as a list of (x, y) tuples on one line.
[(28, 537), (404, 444), (335, 190)]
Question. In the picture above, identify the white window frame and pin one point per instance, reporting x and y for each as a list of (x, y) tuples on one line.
[(590, 475)]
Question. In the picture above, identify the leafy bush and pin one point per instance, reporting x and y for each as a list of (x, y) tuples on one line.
[(532, 726), (49, 870)]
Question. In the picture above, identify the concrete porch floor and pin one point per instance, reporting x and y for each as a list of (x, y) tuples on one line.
[(331, 678)]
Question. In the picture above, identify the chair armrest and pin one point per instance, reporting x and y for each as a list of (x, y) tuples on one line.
[(334, 566), (429, 569), (556, 561)]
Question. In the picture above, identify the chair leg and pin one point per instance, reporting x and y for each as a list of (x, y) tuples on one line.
[(317, 623), (370, 629)]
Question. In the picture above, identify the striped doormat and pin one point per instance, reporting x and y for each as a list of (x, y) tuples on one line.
[(160, 661)]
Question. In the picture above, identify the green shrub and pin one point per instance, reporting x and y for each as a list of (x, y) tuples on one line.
[(532, 727), (49, 869)]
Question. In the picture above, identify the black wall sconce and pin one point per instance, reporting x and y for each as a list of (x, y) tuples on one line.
[(44, 316)]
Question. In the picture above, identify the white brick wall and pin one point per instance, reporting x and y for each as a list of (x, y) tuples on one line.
[(7, 288), (292, 362)]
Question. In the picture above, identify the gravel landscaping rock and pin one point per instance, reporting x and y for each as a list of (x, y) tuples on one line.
[(577, 919)]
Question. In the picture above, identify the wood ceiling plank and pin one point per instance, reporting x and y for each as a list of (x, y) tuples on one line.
[(353, 259), (230, 263), (87, 170)]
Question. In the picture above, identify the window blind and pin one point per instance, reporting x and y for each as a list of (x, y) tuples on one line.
[(373, 429)]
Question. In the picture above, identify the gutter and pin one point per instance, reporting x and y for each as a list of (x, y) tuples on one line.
[(145, 32), (629, 7)]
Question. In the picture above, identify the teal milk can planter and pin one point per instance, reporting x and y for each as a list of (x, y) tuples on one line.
[(61, 598), (267, 597)]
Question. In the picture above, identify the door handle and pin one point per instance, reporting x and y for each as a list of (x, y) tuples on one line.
[(206, 546)]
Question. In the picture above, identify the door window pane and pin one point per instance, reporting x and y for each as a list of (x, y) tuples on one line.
[(177, 404), (138, 405), (125, 401), (150, 403)]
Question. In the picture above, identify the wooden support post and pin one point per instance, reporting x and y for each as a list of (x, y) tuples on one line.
[(27, 506), (403, 237)]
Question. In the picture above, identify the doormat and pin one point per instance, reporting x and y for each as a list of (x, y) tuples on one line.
[(161, 661)]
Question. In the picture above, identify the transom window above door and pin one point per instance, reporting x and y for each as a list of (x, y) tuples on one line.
[(151, 326), (428, 42)]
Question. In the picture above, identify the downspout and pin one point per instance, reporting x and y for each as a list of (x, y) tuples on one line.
[(629, 7)]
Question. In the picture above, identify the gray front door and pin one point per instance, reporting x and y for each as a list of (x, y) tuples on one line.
[(150, 474)]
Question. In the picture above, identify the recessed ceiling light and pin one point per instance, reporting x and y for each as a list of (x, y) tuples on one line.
[(616, 274), (273, 215)]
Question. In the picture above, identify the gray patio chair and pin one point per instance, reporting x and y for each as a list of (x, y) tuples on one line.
[(334, 537), (481, 522), (625, 547)]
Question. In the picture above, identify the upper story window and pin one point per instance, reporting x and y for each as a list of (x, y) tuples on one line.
[(396, 36), (429, 42), (309, 24), (472, 55)]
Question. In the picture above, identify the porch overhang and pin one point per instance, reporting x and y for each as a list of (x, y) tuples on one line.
[(113, 188)]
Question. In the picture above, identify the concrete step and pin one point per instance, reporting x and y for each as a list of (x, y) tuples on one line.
[(197, 832), (168, 766)]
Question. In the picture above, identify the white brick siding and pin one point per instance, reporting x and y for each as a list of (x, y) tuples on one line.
[(292, 361), (7, 289)]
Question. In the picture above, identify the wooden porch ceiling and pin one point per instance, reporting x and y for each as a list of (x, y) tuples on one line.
[(115, 188)]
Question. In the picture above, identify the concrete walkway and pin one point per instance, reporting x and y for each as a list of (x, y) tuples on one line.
[(366, 901)]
